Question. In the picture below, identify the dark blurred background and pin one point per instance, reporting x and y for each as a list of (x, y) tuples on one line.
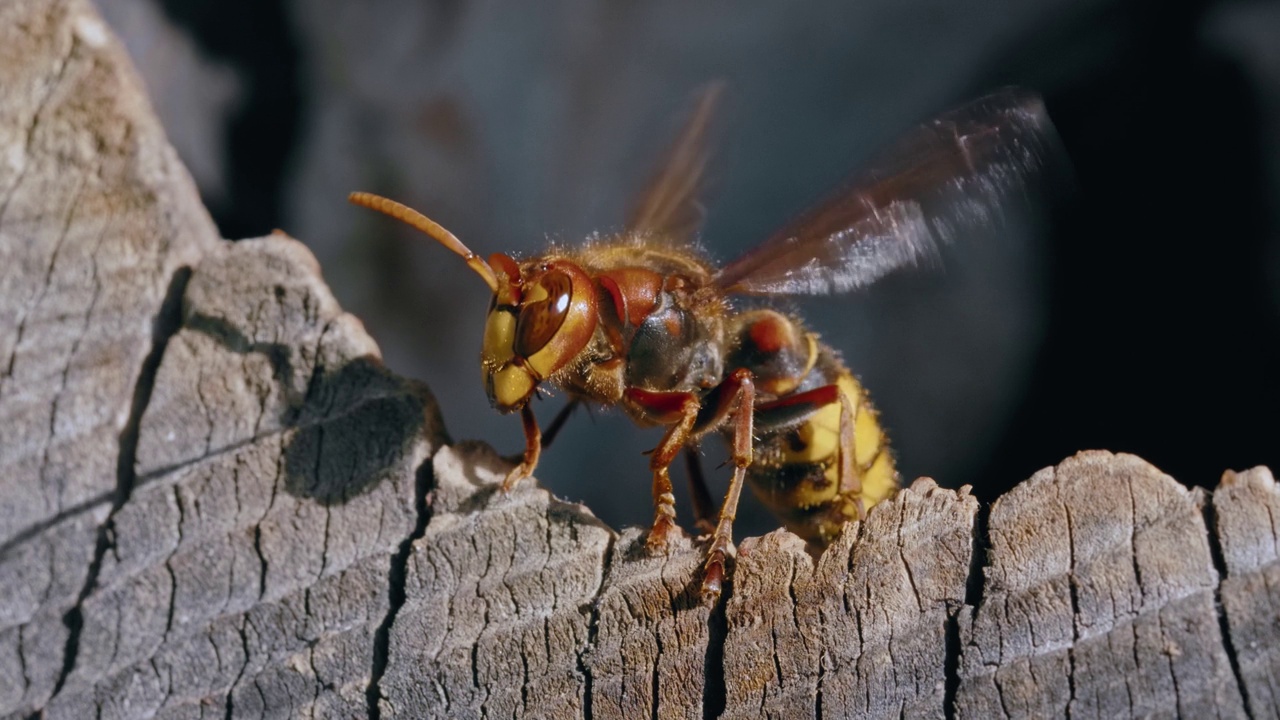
[(1138, 313)]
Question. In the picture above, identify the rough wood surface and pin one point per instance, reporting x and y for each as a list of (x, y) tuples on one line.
[(215, 501), (1098, 600), (96, 218), (1246, 509)]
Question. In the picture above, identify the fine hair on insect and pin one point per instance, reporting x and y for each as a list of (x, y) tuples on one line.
[(641, 320)]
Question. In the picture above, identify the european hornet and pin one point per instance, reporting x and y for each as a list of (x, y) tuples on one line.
[(643, 320)]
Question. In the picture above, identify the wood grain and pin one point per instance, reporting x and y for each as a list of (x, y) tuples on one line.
[(1098, 600), (216, 501)]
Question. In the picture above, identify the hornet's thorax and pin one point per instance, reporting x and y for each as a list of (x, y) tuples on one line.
[(643, 321)]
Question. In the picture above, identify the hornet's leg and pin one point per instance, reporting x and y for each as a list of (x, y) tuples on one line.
[(792, 409), (532, 449), (558, 422), (737, 394), (681, 410), (850, 473), (698, 492)]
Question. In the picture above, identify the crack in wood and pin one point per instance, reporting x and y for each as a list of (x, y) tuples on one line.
[(230, 704), (951, 662), (166, 324), (396, 588), (44, 289), (1224, 628), (1073, 587), (975, 581), (593, 628), (168, 566), (714, 694)]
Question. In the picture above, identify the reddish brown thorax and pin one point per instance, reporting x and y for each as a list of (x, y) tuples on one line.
[(634, 292), (641, 320)]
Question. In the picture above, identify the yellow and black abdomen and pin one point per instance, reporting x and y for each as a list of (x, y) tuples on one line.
[(795, 470), (796, 458)]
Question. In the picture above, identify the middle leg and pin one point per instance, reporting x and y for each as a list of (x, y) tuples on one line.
[(736, 396), (549, 435), (698, 492), (680, 409)]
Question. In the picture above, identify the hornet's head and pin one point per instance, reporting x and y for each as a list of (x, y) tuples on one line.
[(541, 317)]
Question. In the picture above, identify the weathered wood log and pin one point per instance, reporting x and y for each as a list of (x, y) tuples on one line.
[(215, 501)]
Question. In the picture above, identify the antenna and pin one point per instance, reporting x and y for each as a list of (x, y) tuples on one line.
[(408, 215)]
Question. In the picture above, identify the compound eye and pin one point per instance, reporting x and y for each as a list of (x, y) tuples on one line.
[(545, 307)]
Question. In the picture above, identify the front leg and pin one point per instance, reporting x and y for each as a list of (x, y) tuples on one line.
[(534, 441), (532, 450), (680, 409), (733, 397)]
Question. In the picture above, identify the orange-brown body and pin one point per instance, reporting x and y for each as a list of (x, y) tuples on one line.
[(662, 331), (643, 322)]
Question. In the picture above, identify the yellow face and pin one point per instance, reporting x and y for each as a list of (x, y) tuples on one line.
[(538, 322), (508, 385)]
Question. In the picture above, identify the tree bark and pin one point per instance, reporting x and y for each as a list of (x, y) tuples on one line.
[(215, 501)]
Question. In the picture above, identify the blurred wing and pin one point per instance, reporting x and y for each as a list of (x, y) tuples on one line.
[(670, 205), (949, 175)]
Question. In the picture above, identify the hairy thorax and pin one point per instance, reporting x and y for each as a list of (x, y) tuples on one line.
[(660, 329)]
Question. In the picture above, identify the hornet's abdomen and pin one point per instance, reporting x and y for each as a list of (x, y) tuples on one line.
[(795, 468), (796, 471)]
